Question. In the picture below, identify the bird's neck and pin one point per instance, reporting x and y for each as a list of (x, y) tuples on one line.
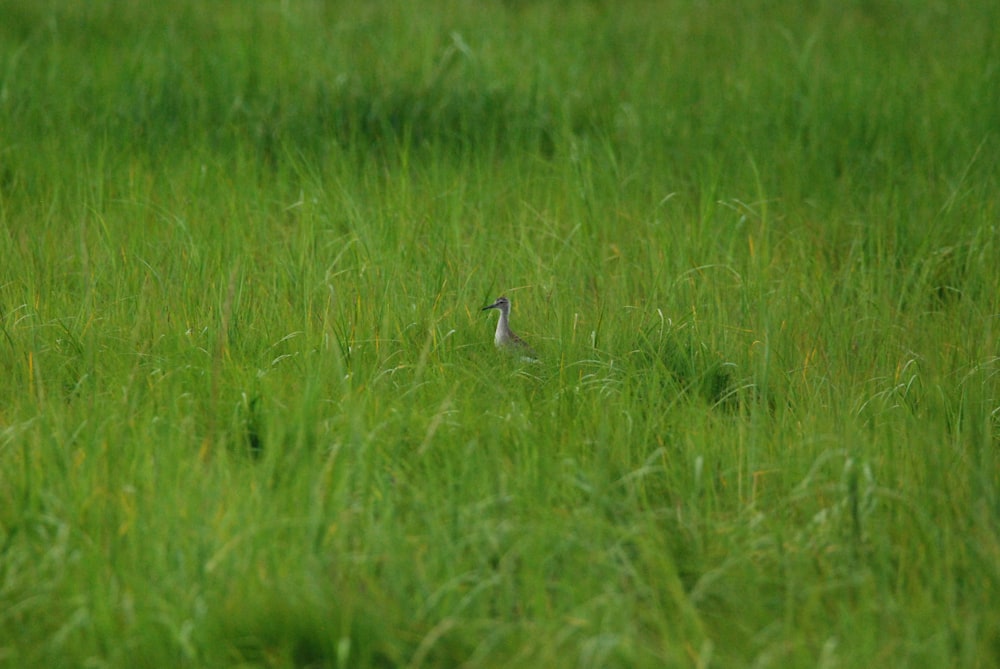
[(503, 329)]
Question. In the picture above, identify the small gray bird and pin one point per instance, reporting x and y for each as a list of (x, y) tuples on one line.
[(505, 337)]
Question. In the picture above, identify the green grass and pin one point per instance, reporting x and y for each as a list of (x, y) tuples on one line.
[(251, 414)]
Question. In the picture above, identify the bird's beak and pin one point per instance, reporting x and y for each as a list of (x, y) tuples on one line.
[(492, 306)]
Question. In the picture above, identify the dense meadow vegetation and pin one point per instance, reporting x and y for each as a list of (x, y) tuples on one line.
[(251, 414)]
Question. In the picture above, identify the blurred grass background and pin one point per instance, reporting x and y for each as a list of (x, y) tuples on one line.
[(250, 414)]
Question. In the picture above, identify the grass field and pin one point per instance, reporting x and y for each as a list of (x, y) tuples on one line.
[(251, 414)]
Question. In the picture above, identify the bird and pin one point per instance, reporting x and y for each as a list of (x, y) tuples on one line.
[(505, 338)]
